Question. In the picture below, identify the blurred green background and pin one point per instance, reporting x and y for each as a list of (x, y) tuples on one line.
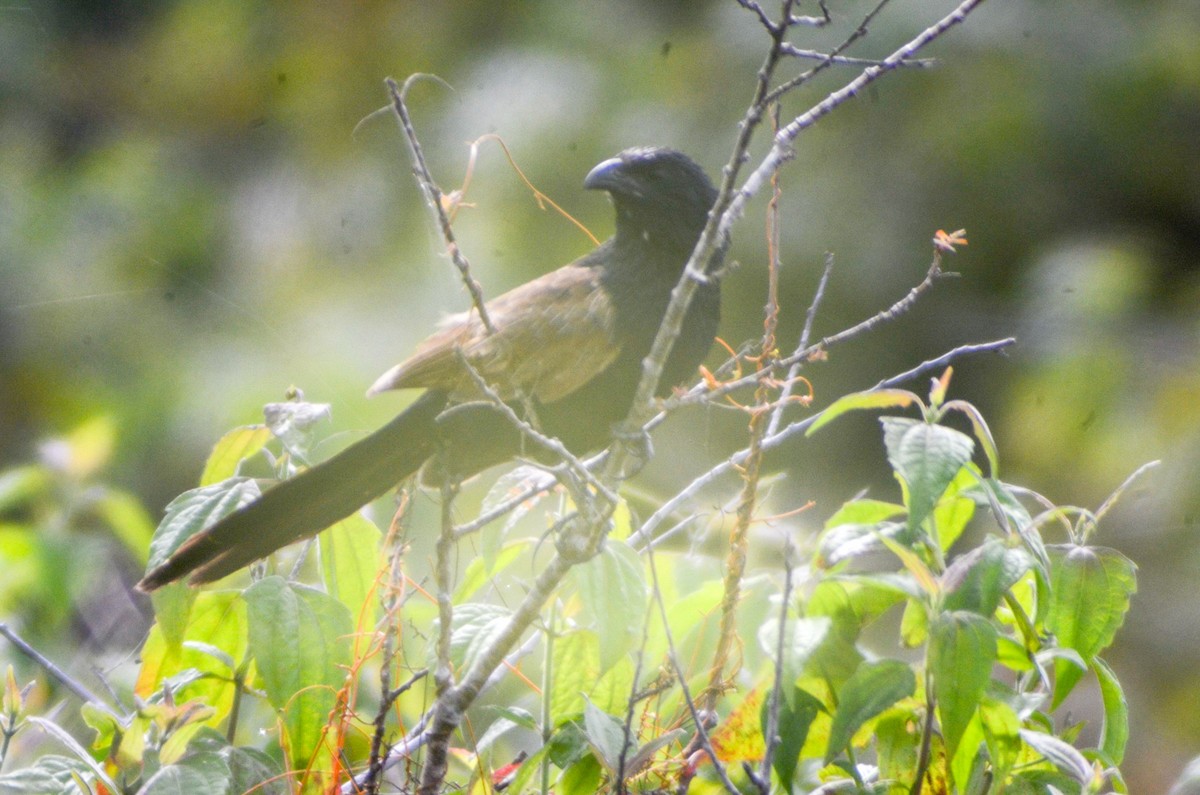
[(189, 224)]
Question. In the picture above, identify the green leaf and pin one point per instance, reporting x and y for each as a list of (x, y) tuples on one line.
[(874, 399), (196, 509), (606, 735), (977, 580), (203, 772), (846, 541), (1062, 755), (1001, 730), (872, 688), (576, 664), (797, 710), (962, 649), (926, 458), (252, 771), (954, 509), (1115, 732), (612, 589), (982, 432), (802, 637), (231, 449), (476, 625), (852, 602), (49, 774), (870, 512), (483, 568), (350, 562), (582, 777), (1090, 592), (79, 752), (217, 621), (300, 639)]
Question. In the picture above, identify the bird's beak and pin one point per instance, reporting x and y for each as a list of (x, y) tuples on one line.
[(610, 176)]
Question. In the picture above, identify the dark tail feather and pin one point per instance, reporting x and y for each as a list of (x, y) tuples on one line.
[(308, 503)]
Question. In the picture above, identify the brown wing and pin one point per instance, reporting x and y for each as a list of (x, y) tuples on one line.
[(553, 335)]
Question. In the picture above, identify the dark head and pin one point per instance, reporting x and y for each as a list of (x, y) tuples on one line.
[(658, 193)]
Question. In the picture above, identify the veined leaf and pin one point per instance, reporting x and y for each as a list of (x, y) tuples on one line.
[(872, 688), (926, 458), (1091, 588), (300, 638), (962, 649)]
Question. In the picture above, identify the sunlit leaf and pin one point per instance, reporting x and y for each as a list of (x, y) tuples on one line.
[(875, 399), (797, 710), (1115, 732), (954, 509), (926, 457), (739, 736), (613, 591), (1062, 755), (977, 580), (1091, 588), (349, 552), (231, 449), (864, 511), (872, 688), (962, 649), (300, 638), (482, 569), (576, 667), (606, 735), (218, 619)]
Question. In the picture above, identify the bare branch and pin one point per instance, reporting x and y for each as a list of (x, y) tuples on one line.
[(433, 194)]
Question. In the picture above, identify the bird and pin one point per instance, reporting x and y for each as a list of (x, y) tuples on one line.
[(565, 349)]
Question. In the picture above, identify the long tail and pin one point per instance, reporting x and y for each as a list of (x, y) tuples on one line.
[(308, 503)]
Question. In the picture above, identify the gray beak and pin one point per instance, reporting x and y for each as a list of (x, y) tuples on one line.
[(609, 176)]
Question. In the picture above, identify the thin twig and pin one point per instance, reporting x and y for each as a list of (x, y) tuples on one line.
[(434, 195), (789, 381), (58, 674), (814, 55), (772, 728), (701, 739), (645, 534)]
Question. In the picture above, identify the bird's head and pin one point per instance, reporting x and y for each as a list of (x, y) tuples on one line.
[(657, 193)]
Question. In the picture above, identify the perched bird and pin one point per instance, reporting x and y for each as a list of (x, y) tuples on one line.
[(569, 345)]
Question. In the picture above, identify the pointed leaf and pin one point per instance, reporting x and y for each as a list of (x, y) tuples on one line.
[(962, 649), (196, 509), (612, 588), (874, 399), (872, 688), (1115, 732), (977, 580), (1090, 592), (606, 736), (231, 449), (797, 711), (300, 638), (926, 458), (1062, 755), (476, 625), (350, 561)]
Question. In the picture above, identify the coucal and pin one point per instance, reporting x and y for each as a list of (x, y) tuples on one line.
[(568, 345)]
